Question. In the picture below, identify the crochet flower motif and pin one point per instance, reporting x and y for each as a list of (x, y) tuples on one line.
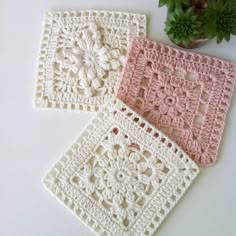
[(169, 102), (86, 178), (155, 171), (121, 177), (84, 56), (173, 102)]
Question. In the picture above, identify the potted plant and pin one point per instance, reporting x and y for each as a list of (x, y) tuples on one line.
[(190, 23)]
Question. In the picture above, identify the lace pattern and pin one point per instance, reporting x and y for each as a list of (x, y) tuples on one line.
[(185, 95), (122, 176), (81, 56)]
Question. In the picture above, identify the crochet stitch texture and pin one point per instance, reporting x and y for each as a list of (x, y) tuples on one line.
[(81, 57), (122, 176), (185, 95)]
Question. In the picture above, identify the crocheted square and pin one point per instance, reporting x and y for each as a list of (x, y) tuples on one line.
[(184, 94), (122, 176), (81, 57)]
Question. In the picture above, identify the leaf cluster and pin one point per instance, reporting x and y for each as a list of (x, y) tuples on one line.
[(172, 4), (183, 26), (218, 20)]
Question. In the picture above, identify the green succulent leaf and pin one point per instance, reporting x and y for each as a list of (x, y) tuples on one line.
[(183, 26), (170, 4), (173, 4), (233, 32), (189, 12), (162, 3), (172, 17), (186, 2), (219, 38), (220, 19), (227, 37), (179, 11)]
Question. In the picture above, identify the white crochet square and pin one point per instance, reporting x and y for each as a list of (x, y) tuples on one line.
[(122, 176), (82, 54)]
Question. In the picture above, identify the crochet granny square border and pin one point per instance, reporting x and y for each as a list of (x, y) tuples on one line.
[(184, 94), (81, 56), (122, 176)]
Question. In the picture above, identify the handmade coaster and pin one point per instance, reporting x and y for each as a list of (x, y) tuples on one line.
[(122, 176), (185, 95), (81, 57)]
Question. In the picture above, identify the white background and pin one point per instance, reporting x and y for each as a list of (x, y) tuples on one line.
[(31, 141)]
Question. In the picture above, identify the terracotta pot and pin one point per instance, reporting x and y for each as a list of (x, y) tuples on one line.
[(193, 44)]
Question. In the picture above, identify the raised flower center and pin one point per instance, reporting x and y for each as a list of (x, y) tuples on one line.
[(120, 175), (90, 58), (91, 178), (170, 100)]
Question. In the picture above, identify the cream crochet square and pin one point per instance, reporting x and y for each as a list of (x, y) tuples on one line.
[(82, 54), (122, 176)]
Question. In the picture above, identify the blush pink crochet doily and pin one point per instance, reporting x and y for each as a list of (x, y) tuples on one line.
[(186, 95)]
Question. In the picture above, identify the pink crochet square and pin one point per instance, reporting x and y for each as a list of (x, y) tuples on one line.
[(184, 94)]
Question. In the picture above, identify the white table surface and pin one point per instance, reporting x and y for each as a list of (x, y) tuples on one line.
[(31, 141)]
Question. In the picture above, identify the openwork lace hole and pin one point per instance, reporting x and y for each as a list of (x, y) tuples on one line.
[(149, 130), (147, 154), (149, 63), (131, 60), (141, 93), (100, 149), (178, 190), (167, 204), (176, 133), (162, 211), (75, 179), (186, 126), (139, 104), (178, 73), (115, 130), (165, 130), (202, 108), (141, 51), (165, 170), (142, 125), (191, 76), (166, 70), (145, 82), (169, 145), (173, 197), (205, 97), (163, 140), (126, 222), (198, 120)]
